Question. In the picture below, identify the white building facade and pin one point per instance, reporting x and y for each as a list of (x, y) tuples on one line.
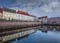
[(9, 14)]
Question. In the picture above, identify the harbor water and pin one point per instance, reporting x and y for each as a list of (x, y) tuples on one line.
[(40, 37)]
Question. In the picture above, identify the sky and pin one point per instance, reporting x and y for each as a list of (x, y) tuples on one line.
[(50, 8)]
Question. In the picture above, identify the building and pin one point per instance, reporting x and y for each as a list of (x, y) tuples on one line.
[(25, 16), (1, 13), (10, 14), (43, 19)]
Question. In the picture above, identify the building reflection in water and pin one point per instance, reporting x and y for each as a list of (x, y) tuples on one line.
[(47, 28)]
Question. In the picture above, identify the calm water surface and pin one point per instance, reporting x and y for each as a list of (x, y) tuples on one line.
[(40, 37)]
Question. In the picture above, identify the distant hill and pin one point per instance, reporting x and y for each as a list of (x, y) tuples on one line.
[(54, 20)]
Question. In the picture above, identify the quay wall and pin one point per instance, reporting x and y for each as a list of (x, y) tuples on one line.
[(16, 24)]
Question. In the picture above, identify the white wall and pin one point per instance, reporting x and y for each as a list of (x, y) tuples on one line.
[(7, 15), (1, 15), (44, 20), (25, 17)]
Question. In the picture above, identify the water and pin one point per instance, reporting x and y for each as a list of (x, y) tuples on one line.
[(40, 37)]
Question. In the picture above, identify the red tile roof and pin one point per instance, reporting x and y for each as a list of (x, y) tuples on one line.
[(23, 13), (1, 10), (42, 17)]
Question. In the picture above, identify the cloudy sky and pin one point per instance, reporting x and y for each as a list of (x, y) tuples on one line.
[(50, 8)]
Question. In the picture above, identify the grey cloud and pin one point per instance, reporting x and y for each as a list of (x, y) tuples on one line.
[(39, 7)]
